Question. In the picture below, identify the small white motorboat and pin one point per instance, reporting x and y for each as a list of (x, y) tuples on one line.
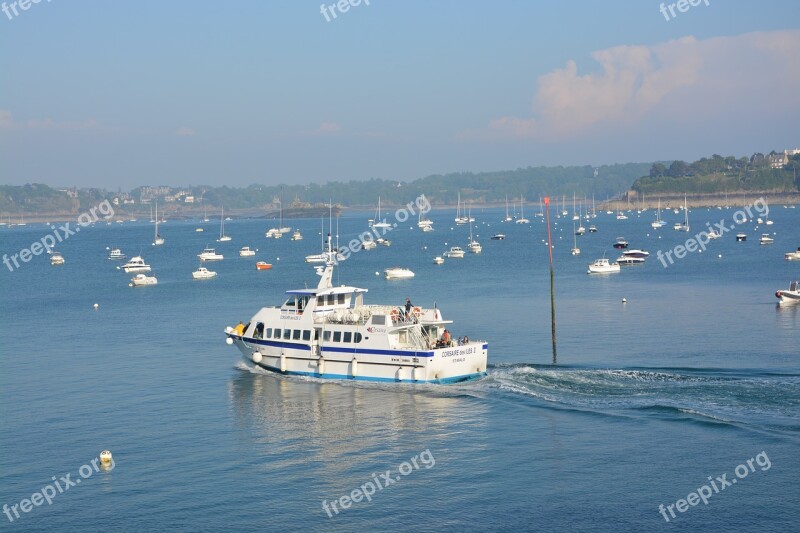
[(592, 229), (741, 237), (116, 255), (297, 236), (789, 296), (209, 254), (620, 243), (367, 244), (316, 258), (438, 260), (792, 256), (474, 247), (383, 242), (639, 254), (713, 234), (140, 280), (56, 259), (455, 252), (247, 252), (203, 273), (498, 237), (630, 260), (602, 266), (135, 264), (398, 273), (766, 239)]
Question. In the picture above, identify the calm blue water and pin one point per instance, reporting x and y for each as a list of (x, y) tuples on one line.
[(697, 373)]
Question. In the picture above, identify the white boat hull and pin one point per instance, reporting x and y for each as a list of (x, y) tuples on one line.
[(441, 365)]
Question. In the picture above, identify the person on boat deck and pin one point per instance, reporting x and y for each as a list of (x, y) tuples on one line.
[(239, 329), (409, 305), (446, 339)]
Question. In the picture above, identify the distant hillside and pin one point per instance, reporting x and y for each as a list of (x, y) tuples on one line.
[(475, 188), (719, 175)]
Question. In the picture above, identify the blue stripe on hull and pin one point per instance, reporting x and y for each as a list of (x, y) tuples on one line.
[(455, 379)]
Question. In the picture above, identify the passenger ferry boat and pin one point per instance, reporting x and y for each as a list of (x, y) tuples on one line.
[(329, 332)]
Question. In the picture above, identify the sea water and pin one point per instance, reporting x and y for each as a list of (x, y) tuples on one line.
[(649, 401)]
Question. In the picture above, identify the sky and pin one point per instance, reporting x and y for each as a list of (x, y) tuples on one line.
[(120, 94)]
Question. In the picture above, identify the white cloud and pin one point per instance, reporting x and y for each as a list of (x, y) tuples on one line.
[(328, 128), (683, 79)]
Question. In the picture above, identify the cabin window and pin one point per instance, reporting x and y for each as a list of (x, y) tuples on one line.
[(337, 336), (357, 337), (259, 331), (320, 300), (379, 320), (331, 299), (341, 298), (296, 335), (326, 336), (306, 335), (348, 336), (316, 334), (269, 333), (287, 334), (277, 333)]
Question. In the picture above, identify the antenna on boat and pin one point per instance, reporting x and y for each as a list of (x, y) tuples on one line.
[(552, 278)]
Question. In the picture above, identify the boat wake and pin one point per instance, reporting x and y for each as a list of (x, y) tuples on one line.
[(699, 395)]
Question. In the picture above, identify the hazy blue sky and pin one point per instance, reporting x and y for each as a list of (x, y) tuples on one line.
[(124, 93)]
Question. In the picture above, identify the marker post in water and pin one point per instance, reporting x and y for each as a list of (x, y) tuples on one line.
[(552, 279)]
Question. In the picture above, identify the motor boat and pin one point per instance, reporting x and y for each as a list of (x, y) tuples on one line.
[(741, 237), (297, 236), (366, 244), (273, 233), (474, 247), (498, 237), (789, 296), (140, 280), (455, 252), (621, 216), (592, 229), (766, 239), (792, 256), (398, 273), (713, 234), (630, 260), (602, 266), (316, 258), (639, 254), (203, 273), (199, 230), (438, 260), (56, 259), (621, 243), (135, 264), (329, 332), (383, 242), (116, 255), (247, 252), (209, 254), (263, 265)]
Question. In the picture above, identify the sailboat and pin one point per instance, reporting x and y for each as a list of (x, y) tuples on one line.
[(460, 219), (158, 240), (657, 223), (222, 236), (378, 222), (581, 230), (473, 246), (564, 211), (522, 219), (277, 233), (508, 217), (766, 214), (575, 216), (205, 216), (425, 224), (575, 250), (685, 226)]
